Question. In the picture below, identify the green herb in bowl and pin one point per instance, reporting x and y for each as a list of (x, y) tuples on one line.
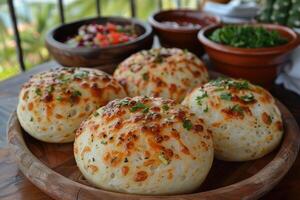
[(246, 36)]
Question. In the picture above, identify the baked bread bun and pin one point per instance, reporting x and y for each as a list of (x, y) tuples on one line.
[(161, 72), (144, 145), (52, 104), (244, 119)]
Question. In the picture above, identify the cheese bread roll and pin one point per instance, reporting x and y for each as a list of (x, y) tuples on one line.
[(162, 72), (144, 145), (52, 104), (244, 119)]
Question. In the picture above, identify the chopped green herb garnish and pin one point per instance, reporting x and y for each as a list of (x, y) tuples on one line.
[(202, 94), (185, 51), (146, 76), (223, 83), (58, 98), (218, 82), (269, 119), (146, 110), (126, 160), (63, 78), (226, 96), (158, 58), (206, 109), (50, 88), (103, 142), (237, 108), (81, 74), (124, 102), (244, 36), (139, 106), (96, 114), (165, 107), (38, 91), (163, 159), (247, 97), (239, 85), (219, 89), (187, 124), (31, 119), (76, 93)]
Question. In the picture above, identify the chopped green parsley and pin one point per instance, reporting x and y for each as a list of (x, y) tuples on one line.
[(124, 102), (206, 109), (96, 114), (50, 88), (226, 96), (269, 119), (38, 92), (81, 74), (187, 124), (158, 58), (165, 107), (146, 110), (58, 98), (146, 76), (76, 93), (237, 108), (64, 78), (230, 83), (247, 97), (202, 95), (139, 106), (239, 85)]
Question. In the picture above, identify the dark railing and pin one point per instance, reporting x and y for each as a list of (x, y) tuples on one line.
[(13, 17), (17, 35)]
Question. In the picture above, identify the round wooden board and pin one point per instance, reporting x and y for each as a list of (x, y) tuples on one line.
[(52, 168)]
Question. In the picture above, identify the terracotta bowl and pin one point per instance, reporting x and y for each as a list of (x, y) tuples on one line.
[(259, 65), (181, 37), (105, 58)]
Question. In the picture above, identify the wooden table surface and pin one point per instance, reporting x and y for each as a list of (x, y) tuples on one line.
[(14, 186)]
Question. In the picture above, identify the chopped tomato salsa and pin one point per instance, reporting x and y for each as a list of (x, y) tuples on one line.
[(102, 35)]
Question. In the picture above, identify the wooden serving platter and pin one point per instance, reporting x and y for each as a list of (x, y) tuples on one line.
[(52, 168)]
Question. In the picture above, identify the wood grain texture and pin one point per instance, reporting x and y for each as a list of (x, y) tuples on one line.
[(14, 186), (52, 168)]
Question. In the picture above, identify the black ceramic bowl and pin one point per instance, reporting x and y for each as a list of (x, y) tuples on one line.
[(106, 58)]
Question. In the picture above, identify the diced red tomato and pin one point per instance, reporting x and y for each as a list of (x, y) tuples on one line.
[(111, 27), (115, 37), (100, 36)]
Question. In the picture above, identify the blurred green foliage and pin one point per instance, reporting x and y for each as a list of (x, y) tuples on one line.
[(39, 17)]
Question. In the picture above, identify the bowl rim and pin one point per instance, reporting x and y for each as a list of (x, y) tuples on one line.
[(50, 41), (159, 25), (294, 42)]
